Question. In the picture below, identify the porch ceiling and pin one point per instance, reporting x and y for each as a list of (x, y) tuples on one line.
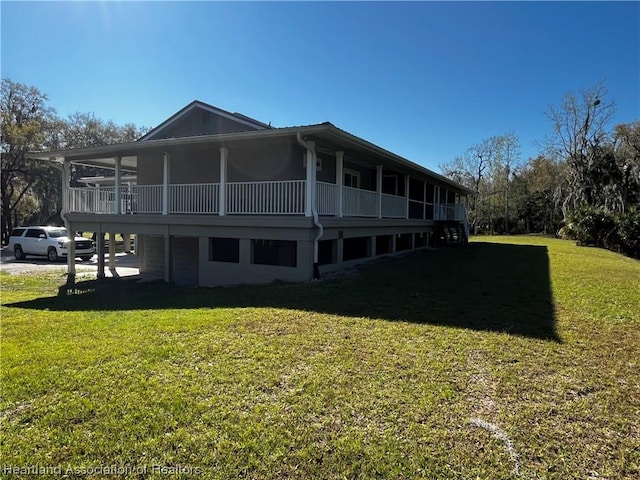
[(128, 163)]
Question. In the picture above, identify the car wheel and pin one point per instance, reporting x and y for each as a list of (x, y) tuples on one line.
[(18, 253), (52, 254)]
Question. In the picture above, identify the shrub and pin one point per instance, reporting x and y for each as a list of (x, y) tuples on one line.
[(593, 226), (628, 232)]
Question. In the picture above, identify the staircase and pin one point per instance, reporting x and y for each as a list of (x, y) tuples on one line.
[(451, 225), (451, 233)]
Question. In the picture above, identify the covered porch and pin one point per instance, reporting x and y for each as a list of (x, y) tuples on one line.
[(286, 197)]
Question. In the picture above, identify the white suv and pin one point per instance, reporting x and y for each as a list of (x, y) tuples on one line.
[(50, 242)]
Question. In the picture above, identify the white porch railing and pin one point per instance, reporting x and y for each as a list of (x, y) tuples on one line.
[(193, 198), (266, 198), (257, 198), (142, 199), (393, 206), (449, 211), (360, 203), (86, 199), (327, 198)]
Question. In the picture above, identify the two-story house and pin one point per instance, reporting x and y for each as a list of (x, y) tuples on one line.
[(217, 198)]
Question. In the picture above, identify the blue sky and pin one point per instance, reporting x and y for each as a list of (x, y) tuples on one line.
[(425, 80)]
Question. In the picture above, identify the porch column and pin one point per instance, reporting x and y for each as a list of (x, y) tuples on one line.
[(424, 200), (118, 209), (126, 240), (71, 250), (165, 184), (310, 183), (379, 188), (339, 180), (406, 192), (222, 200), (112, 252), (167, 257), (100, 250), (66, 180), (71, 260)]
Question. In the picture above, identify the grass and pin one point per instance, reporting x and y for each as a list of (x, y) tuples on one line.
[(516, 357)]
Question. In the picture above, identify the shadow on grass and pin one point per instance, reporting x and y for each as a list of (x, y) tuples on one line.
[(486, 286)]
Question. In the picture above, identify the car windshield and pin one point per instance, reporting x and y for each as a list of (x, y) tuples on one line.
[(57, 232)]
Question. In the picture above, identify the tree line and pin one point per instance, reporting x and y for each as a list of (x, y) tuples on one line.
[(584, 184), (30, 190)]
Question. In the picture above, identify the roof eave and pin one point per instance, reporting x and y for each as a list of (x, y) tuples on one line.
[(114, 149), (323, 128), (401, 160)]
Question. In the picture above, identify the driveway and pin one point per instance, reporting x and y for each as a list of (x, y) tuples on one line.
[(126, 265)]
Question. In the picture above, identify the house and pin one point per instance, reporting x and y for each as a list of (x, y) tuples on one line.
[(218, 198)]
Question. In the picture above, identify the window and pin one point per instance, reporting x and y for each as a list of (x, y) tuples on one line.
[(351, 178), (355, 248), (224, 250), (275, 252), (35, 233), (384, 244), (57, 232), (327, 252)]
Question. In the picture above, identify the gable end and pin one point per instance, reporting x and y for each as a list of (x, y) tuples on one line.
[(198, 118)]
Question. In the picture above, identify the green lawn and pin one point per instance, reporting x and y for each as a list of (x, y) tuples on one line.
[(517, 357)]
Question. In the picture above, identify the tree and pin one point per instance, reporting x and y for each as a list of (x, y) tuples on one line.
[(602, 186), (535, 187), (627, 157), (468, 170), (25, 116), (507, 156), (579, 126), (86, 130), (31, 189), (486, 169)]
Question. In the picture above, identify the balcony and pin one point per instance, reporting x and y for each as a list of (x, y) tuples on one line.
[(287, 197)]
